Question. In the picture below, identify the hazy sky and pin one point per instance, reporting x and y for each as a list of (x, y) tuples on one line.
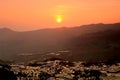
[(37, 14)]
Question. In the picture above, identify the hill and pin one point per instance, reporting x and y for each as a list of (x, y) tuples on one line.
[(87, 42), (99, 46)]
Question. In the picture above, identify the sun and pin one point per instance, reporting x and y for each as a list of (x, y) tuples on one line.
[(59, 19)]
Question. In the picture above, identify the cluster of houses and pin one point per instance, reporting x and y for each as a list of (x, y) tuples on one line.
[(65, 70)]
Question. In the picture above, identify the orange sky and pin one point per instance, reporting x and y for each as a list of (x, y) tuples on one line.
[(25, 15)]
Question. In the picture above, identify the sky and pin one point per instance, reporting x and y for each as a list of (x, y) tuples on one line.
[(25, 15)]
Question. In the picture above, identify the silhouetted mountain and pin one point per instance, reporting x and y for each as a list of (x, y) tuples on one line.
[(5, 30), (99, 46), (87, 42)]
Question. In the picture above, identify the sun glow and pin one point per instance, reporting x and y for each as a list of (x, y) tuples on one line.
[(59, 19)]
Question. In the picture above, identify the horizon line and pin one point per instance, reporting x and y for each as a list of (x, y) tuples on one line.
[(6, 28)]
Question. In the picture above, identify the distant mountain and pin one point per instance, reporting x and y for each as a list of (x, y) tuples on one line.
[(99, 46), (87, 42)]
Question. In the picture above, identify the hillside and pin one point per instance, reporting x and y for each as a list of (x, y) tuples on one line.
[(99, 46), (87, 42)]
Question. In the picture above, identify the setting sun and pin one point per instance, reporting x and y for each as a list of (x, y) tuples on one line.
[(59, 19), (27, 15)]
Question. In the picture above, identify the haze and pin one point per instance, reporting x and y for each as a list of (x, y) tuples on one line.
[(22, 15)]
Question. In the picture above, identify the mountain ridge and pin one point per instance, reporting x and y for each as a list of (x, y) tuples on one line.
[(90, 25), (43, 41)]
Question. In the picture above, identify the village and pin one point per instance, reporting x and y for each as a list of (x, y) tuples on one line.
[(65, 70)]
